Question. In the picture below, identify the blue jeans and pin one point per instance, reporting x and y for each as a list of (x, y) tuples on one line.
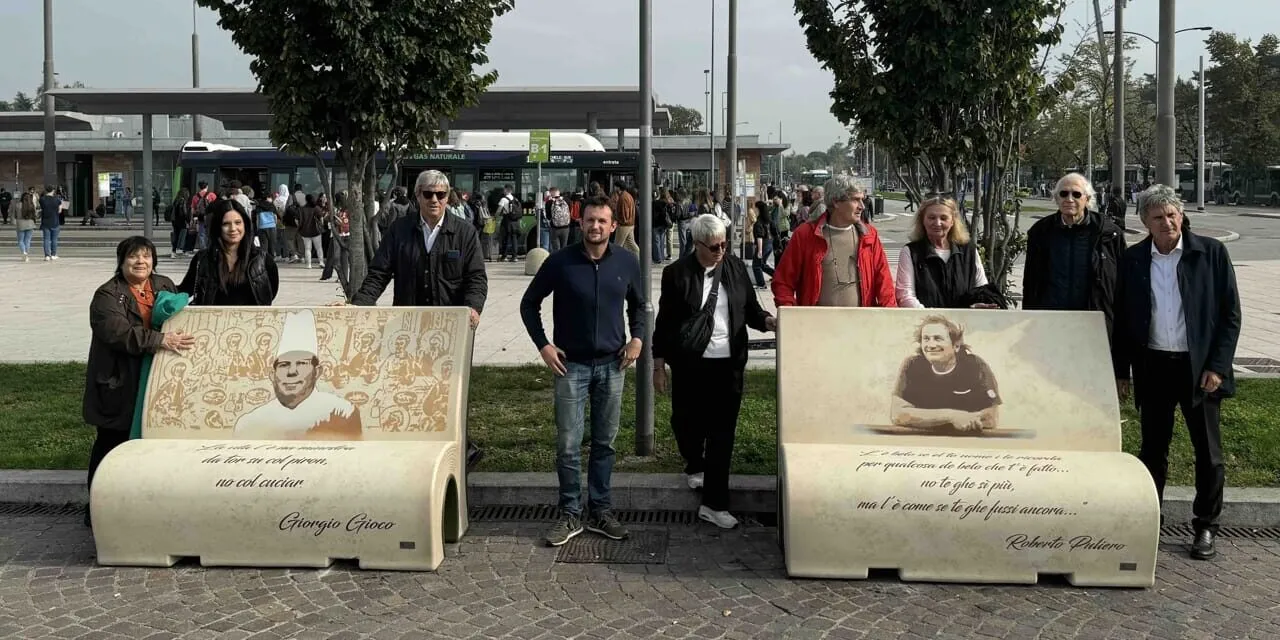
[(602, 384), (24, 240), (50, 238), (179, 239)]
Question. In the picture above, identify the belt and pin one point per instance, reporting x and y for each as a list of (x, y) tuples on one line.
[(1175, 356)]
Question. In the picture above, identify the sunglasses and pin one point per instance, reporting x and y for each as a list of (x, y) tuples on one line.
[(1074, 194), (439, 195), (716, 248)]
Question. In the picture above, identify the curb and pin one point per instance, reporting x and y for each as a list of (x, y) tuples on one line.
[(1242, 507), (1272, 216)]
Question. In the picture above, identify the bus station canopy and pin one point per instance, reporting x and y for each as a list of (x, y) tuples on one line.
[(17, 121), (509, 108)]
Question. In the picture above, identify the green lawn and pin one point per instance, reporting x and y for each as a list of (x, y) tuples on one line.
[(511, 416)]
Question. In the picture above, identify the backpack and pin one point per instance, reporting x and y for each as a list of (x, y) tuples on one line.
[(560, 213), (202, 201), (510, 209), (292, 213)]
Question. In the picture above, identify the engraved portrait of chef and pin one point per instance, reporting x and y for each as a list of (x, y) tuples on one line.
[(944, 387), (299, 411)]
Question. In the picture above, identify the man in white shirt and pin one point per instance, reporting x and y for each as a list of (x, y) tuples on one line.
[(299, 411), (1177, 323)]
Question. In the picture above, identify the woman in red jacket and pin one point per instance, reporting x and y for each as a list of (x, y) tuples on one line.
[(835, 260)]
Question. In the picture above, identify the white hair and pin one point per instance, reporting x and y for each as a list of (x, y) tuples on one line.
[(430, 178), (1088, 187), (707, 227), (840, 188), (1158, 196)]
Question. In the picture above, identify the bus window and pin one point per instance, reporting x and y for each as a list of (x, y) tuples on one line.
[(281, 178), (463, 181), (565, 179), (309, 178)]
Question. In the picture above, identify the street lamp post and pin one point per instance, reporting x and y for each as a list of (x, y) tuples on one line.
[(1166, 131), (1200, 145), (711, 133), (711, 125)]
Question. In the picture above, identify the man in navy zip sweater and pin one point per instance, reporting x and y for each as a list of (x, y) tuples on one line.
[(591, 280)]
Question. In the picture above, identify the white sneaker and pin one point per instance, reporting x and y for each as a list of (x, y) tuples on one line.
[(720, 519), (26, 258), (55, 257), (47, 258), (694, 480)]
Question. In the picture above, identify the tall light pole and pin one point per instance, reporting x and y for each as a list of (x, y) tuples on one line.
[(1166, 131), (644, 373), (711, 134), (711, 112), (1089, 152), (731, 120), (50, 141), (1161, 81), (1118, 82), (1200, 150), (197, 130)]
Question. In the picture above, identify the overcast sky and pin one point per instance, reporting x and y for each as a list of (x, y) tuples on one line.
[(147, 43)]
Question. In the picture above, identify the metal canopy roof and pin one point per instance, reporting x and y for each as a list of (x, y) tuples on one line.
[(499, 108), (16, 121)]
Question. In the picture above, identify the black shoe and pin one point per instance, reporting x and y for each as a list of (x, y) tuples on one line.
[(1202, 546), (474, 455), (563, 530), (608, 526)]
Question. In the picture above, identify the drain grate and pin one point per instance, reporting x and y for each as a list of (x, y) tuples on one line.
[(28, 509), (641, 547), (1259, 365), (548, 513), (1246, 533)]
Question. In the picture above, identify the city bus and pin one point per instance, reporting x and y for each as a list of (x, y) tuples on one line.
[(479, 161), (1264, 189)]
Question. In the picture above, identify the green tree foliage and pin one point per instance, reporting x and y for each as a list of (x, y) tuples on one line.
[(684, 120), (1243, 110), (23, 102), (949, 83), (356, 76)]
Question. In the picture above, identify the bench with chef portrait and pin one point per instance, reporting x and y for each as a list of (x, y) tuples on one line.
[(293, 437), (957, 445)]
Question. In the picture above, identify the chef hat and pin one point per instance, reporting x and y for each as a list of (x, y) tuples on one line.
[(299, 334)]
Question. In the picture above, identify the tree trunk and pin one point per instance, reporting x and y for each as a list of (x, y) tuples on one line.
[(357, 162)]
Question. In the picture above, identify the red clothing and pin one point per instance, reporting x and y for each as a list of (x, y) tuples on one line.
[(798, 278)]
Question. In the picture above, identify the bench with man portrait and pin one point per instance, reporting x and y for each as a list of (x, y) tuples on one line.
[(957, 445), (292, 437)]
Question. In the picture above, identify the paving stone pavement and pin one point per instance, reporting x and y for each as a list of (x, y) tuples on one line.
[(498, 583)]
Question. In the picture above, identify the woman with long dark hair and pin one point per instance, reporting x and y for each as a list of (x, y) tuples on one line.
[(231, 272)]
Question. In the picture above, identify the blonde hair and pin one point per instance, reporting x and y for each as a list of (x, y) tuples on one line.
[(959, 233)]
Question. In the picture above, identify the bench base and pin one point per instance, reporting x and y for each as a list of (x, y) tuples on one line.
[(968, 515), (387, 505)]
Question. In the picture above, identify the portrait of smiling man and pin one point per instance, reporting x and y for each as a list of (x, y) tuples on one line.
[(944, 387), (299, 411)]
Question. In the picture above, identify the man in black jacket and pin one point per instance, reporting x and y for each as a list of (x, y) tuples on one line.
[(433, 259), (1177, 324), (591, 281), (1071, 257)]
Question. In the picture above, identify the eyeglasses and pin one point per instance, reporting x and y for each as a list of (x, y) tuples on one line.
[(439, 195), (1074, 194), (716, 248)]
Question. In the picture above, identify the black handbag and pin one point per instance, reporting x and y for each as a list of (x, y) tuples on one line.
[(695, 333)]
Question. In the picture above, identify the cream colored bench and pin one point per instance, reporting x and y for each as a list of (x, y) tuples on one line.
[(293, 437), (878, 468)]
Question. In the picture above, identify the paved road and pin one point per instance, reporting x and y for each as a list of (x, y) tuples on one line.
[(499, 583)]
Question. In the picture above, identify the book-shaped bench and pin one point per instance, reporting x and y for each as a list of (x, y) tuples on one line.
[(293, 437), (957, 445)]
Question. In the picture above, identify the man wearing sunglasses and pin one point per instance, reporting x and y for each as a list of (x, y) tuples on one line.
[(835, 260), (1072, 257), (434, 260)]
